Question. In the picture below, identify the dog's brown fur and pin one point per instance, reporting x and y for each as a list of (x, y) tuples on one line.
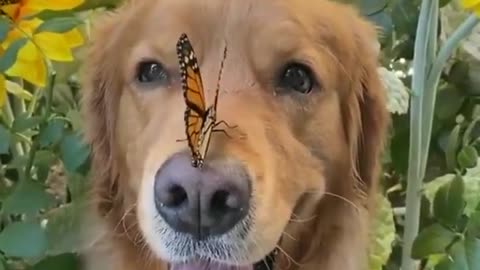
[(315, 159)]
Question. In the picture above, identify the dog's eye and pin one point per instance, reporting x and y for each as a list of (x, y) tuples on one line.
[(297, 77), (151, 72)]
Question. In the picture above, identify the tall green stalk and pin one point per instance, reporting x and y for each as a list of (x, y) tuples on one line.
[(420, 67), (427, 68)]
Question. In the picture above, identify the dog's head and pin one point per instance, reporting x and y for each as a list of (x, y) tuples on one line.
[(299, 86)]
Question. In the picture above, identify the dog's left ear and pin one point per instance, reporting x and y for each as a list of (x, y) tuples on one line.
[(368, 114)]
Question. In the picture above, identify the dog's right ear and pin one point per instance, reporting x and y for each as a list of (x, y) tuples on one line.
[(102, 86)]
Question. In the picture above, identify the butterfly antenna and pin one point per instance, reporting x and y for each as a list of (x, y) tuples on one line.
[(220, 76)]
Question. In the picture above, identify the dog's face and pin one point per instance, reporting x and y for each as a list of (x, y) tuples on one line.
[(300, 89)]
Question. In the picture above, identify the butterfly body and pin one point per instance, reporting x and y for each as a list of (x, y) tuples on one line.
[(200, 120)]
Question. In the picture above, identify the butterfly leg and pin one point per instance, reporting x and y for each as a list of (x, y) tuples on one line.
[(181, 140), (225, 123), (222, 131)]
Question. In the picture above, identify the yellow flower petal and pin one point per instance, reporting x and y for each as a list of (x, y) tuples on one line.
[(29, 52), (3, 91), (74, 38), (54, 46), (33, 71), (468, 4), (53, 5)]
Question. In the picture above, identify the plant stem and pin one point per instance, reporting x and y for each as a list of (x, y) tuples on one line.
[(434, 77), (17, 149), (46, 115), (420, 67)]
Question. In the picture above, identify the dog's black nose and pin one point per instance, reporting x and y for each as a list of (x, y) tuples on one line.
[(203, 201)]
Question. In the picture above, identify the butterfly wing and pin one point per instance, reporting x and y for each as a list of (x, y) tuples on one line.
[(190, 74), (194, 96)]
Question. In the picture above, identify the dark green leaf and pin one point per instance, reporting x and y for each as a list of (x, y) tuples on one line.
[(468, 156), (2, 264), (78, 185), (448, 203), (4, 140), (48, 14), (59, 25), (474, 224), (444, 3), (28, 198), (44, 160), (52, 133), (25, 240), (64, 228), (384, 21), (10, 55), (24, 122), (4, 27), (73, 152), (452, 145), (449, 102), (66, 261), (432, 240), (463, 255), (370, 7), (472, 252)]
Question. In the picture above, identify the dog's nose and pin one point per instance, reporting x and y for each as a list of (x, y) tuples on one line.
[(203, 201)]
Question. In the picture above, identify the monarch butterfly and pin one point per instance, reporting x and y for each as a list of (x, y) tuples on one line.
[(200, 121)]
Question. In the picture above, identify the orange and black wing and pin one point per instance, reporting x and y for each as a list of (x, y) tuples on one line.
[(193, 94), (193, 91)]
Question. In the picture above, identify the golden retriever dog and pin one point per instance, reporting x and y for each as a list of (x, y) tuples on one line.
[(289, 187)]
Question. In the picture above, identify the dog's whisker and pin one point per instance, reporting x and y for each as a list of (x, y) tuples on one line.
[(289, 236), (289, 258)]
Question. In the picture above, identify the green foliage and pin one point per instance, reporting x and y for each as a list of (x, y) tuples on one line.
[(40, 210), (10, 55), (24, 240), (59, 24)]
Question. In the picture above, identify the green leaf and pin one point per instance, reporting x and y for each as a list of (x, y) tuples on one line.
[(449, 102), (432, 240), (472, 187), (468, 156), (25, 240), (64, 228), (383, 234), (44, 160), (448, 203), (52, 133), (10, 55), (24, 122), (464, 255), (452, 145), (369, 7), (73, 152), (75, 119), (4, 140), (28, 198), (59, 25), (4, 27), (473, 227), (66, 261), (48, 14), (78, 185)]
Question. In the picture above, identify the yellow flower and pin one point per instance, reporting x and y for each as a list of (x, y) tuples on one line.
[(472, 5), (30, 63)]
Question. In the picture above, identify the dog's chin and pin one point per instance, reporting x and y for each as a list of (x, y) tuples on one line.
[(200, 264)]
